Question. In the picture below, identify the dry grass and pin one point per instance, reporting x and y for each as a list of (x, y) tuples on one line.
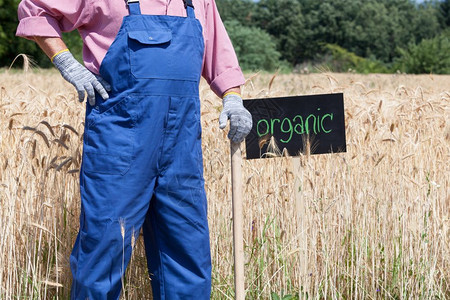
[(372, 223)]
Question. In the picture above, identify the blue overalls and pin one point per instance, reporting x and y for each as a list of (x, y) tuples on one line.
[(142, 164)]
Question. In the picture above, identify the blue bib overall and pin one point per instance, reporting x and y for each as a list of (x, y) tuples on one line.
[(142, 164)]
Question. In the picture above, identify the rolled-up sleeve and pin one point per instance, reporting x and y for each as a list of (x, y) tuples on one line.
[(51, 17), (221, 67)]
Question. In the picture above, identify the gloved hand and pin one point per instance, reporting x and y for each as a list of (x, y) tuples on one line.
[(240, 118), (83, 79)]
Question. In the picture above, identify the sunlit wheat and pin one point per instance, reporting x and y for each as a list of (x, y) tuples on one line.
[(372, 223)]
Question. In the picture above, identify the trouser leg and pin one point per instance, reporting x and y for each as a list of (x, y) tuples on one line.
[(177, 244), (117, 179), (176, 227), (104, 244)]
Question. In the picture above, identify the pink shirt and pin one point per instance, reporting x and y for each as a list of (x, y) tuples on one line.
[(98, 22)]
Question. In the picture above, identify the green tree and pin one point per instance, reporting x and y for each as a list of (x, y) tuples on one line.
[(10, 45), (429, 56), (444, 13), (283, 20), (329, 22), (254, 47), (426, 21), (341, 60), (237, 10), (369, 28)]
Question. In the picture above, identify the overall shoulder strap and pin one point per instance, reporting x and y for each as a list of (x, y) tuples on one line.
[(134, 7), (189, 8)]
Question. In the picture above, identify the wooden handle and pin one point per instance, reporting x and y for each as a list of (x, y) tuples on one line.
[(238, 234)]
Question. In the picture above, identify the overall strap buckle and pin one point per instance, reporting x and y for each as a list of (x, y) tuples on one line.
[(188, 3), (134, 7)]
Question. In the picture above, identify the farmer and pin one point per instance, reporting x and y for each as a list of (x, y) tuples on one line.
[(142, 158)]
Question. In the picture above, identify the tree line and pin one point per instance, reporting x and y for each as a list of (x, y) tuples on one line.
[(303, 35), (362, 35)]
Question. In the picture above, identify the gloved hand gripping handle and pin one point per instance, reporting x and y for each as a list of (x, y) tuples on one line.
[(240, 118)]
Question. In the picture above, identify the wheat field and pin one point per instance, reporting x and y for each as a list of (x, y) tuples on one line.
[(372, 223)]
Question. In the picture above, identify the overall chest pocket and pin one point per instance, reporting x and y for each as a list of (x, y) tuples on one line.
[(149, 55), (161, 55)]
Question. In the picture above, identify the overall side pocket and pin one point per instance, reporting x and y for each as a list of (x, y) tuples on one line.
[(109, 139)]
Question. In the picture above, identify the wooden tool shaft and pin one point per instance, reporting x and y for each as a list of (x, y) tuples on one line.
[(238, 234)]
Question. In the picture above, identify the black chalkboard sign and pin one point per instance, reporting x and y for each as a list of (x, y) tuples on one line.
[(291, 125)]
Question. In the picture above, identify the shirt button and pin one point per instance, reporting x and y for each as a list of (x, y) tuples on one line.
[(96, 107), (150, 38)]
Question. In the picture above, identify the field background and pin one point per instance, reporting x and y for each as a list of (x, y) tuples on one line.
[(372, 223)]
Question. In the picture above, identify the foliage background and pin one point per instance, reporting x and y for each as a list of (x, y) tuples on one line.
[(306, 35)]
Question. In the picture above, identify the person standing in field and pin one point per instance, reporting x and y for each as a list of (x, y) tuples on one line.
[(142, 158)]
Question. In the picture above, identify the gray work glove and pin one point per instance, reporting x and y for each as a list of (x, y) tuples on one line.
[(83, 79), (240, 118)]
